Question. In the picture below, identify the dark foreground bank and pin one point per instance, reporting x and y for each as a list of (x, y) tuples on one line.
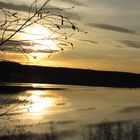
[(117, 130), (14, 72)]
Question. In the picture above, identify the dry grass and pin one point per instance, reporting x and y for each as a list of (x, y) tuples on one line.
[(106, 130)]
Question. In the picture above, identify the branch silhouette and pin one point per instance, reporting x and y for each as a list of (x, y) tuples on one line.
[(14, 23)]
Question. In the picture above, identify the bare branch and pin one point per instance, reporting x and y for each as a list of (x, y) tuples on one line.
[(58, 24)]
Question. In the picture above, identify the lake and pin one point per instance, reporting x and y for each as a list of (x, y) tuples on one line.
[(68, 107)]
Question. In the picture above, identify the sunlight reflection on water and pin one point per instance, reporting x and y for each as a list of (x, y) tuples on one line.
[(76, 104), (38, 102)]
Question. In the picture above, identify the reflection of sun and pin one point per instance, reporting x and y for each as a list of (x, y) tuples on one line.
[(39, 103), (40, 38), (35, 85), (36, 104)]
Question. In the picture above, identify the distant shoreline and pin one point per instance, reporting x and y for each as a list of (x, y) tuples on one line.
[(17, 73), (15, 89)]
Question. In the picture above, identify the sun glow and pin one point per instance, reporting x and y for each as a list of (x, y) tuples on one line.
[(41, 40), (35, 85), (38, 102)]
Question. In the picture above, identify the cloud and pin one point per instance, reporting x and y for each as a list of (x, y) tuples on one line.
[(51, 9), (130, 109), (66, 13), (89, 41), (123, 7), (15, 7), (112, 28), (74, 2), (86, 109), (18, 46), (16, 42), (29, 50), (61, 104), (131, 44)]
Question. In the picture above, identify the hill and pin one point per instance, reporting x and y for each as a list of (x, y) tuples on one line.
[(15, 72)]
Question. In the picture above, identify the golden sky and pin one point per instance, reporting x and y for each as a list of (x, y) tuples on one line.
[(112, 41)]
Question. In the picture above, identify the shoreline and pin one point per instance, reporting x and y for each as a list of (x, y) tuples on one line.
[(17, 73)]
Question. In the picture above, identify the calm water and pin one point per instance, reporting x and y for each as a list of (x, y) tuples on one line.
[(69, 108)]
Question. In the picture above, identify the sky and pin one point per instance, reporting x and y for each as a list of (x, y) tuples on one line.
[(111, 42)]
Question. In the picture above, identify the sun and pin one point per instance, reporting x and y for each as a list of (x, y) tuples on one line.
[(41, 40)]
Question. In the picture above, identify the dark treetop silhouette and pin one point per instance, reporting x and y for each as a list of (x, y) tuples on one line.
[(58, 75)]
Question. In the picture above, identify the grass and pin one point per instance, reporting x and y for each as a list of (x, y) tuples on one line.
[(106, 130), (117, 130)]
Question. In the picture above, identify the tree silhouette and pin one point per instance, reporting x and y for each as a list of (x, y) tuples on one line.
[(14, 23)]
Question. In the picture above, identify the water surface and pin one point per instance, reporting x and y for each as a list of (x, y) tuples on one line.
[(70, 107)]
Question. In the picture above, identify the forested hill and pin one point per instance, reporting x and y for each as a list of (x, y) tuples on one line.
[(14, 72)]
